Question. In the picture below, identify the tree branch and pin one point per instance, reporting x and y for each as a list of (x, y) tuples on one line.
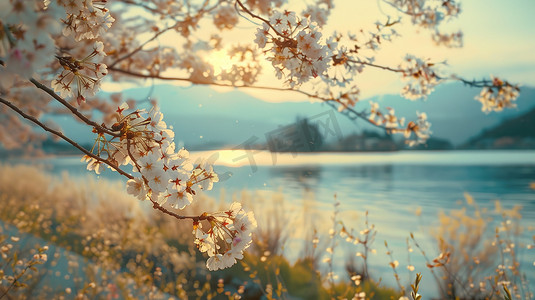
[(376, 66), (72, 108), (260, 18), (62, 136), (472, 83), (329, 100), (157, 206), (140, 47), (86, 152)]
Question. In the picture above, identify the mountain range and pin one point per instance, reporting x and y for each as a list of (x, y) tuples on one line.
[(514, 133), (204, 118)]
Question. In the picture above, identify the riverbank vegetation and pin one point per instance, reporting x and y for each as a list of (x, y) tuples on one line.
[(66, 238)]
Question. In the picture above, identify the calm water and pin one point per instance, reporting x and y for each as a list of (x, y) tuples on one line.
[(391, 186)]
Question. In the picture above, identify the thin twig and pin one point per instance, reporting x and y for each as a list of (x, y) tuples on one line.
[(157, 206), (376, 66), (245, 9), (140, 47), (428, 261)]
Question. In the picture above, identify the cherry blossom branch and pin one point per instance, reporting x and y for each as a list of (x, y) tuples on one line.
[(401, 10), (472, 83), (245, 9), (62, 136), (88, 153), (143, 5), (126, 56), (72, 108), (157, 206), (204, 9), (330, 101), (386, 68)]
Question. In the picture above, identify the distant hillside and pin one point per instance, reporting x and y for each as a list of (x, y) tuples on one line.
[(454, 113), (515, 133)]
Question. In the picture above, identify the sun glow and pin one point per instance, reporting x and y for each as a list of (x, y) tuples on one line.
[(220, 60)]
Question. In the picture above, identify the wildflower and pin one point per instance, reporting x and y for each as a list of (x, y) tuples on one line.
[(359, 296), (40, 257)]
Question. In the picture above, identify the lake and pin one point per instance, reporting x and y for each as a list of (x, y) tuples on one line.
[(390, 186)]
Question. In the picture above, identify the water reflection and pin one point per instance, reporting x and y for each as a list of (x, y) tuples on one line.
[(390, 191), (305, 177)]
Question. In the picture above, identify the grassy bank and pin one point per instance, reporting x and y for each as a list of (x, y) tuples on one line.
[(104, 244)]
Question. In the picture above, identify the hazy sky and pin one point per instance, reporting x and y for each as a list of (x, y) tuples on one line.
[(499, 39)]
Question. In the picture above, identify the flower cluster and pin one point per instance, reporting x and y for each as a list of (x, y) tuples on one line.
[(243, 65), (452, 40), (228, 235), (296, 52), (319, 12), (26, 44), (422, 78), (431, 14), (389, 120), (419, 129), (440, 260), (349, 98), (144, 141), (498, 96), (225, 17), (80, 77), (428, 14), (170, 177), (86, 19), (30, 36), (264, 6)]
